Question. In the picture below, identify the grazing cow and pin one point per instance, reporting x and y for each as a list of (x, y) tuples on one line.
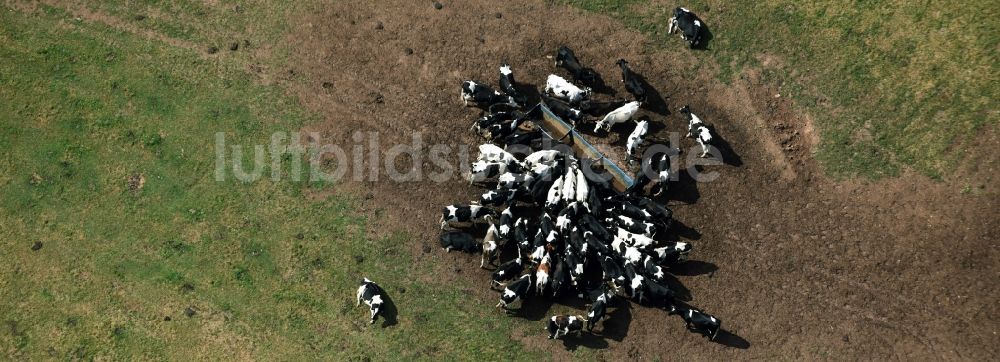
[(635, 139), (515, 290), (565, 325), (699, 322), (674, 252), (457, 240), (563, 89), (598, 109), (631, 81), (598, 310), (507, 271), (483, 171), (371, 294), (567, 60), (563, 110), (483, 96), (698, 130), (622, 114), (542, 274), (491, 248), (509, 86), (464, 214), (689, 25)]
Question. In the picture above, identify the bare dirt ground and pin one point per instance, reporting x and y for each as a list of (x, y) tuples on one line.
[(796, 265)]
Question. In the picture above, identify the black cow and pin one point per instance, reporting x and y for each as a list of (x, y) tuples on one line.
[(589, 223), (661, 214), (523, 138), (509, 86), (595, 245), (560, 275), (461, 241), (599, 109), (689, 25), (699, 322), (481, 95), (371, 294), (631, 81), (566, 59), (515, 290), (656, 294)]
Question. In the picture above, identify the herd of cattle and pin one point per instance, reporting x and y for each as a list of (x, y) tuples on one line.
[(565, 231)]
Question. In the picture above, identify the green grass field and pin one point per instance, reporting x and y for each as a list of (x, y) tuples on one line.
[(890, 84), (86, 111)]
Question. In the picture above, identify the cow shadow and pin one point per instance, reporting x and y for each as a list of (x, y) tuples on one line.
[(706, 37), (654, 100), (693, 268), (685, 189), (729, 339), (592, 341), (533, 308), (616, 325), (682, 230), (729, 156), (390, 315)]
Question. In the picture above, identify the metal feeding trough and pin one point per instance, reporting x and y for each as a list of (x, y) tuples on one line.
[(557, 129)]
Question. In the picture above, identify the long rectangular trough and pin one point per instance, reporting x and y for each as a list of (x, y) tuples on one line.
[(556, 128)]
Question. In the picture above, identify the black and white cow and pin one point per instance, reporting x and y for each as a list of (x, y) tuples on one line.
[(506, 271), (490, 119), (619, 115), (509, 86), (598, 310), (652, 269), (661, 214), (506, 224), (515, 290), (563, 89), (560, 275), (589, 223), (457, 240), (613, 272), (656, 294), (563, 110), (464, 214), (632, 83), (699, 322), (564, 325), (689, 25), (698, 130), (566, 59), (664, 172), (636, 138), (371, 294), (522, 138), (672, 253), (481, 95)]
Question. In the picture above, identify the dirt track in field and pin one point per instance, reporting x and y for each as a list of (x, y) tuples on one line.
[(803, 267)]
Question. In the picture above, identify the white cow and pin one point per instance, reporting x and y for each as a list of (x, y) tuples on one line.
[(492, 153), (635, 139), (563, 89), (622, 114)]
